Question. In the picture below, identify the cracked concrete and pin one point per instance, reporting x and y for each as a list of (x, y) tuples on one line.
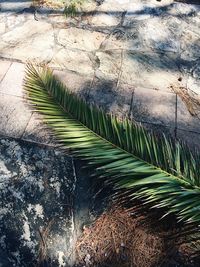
[(146, 46)]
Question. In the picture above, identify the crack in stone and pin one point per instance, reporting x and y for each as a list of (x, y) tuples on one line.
[(122, 18), (120, 69), (129, 45), (54, 44)]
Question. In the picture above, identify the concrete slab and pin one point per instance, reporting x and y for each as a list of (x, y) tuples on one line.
[(104, 93), (160, 129), (143, 104), (142, 45), (37, 131), (190, 138), (13, 80), (108, 64), (150, 70), (29, 40), (74, 38), (74, 81), (4, 66), (14, 116), (77, 61), (151, 106)]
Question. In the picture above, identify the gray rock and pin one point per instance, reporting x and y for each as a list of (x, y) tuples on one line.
[(36, 223)]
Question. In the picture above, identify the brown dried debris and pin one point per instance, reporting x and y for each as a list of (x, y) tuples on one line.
[(118, 238), (44, 233), (191, 100)]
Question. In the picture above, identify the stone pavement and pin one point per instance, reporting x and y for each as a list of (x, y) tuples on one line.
[(137, 58)]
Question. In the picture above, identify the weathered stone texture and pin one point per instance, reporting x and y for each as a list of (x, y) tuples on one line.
[(112, 45), (36, 198)]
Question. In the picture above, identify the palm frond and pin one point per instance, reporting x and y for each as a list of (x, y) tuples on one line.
[(162, 173)]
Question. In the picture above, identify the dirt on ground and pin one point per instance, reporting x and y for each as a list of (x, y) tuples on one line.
[(118, 238)]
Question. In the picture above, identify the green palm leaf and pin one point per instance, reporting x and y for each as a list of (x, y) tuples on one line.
[(162, 173)]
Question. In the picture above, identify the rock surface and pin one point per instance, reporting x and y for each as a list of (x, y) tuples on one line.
[(36, 198)]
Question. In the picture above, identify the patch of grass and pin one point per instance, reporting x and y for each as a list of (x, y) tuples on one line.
[(72, 7), (70, 10)]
